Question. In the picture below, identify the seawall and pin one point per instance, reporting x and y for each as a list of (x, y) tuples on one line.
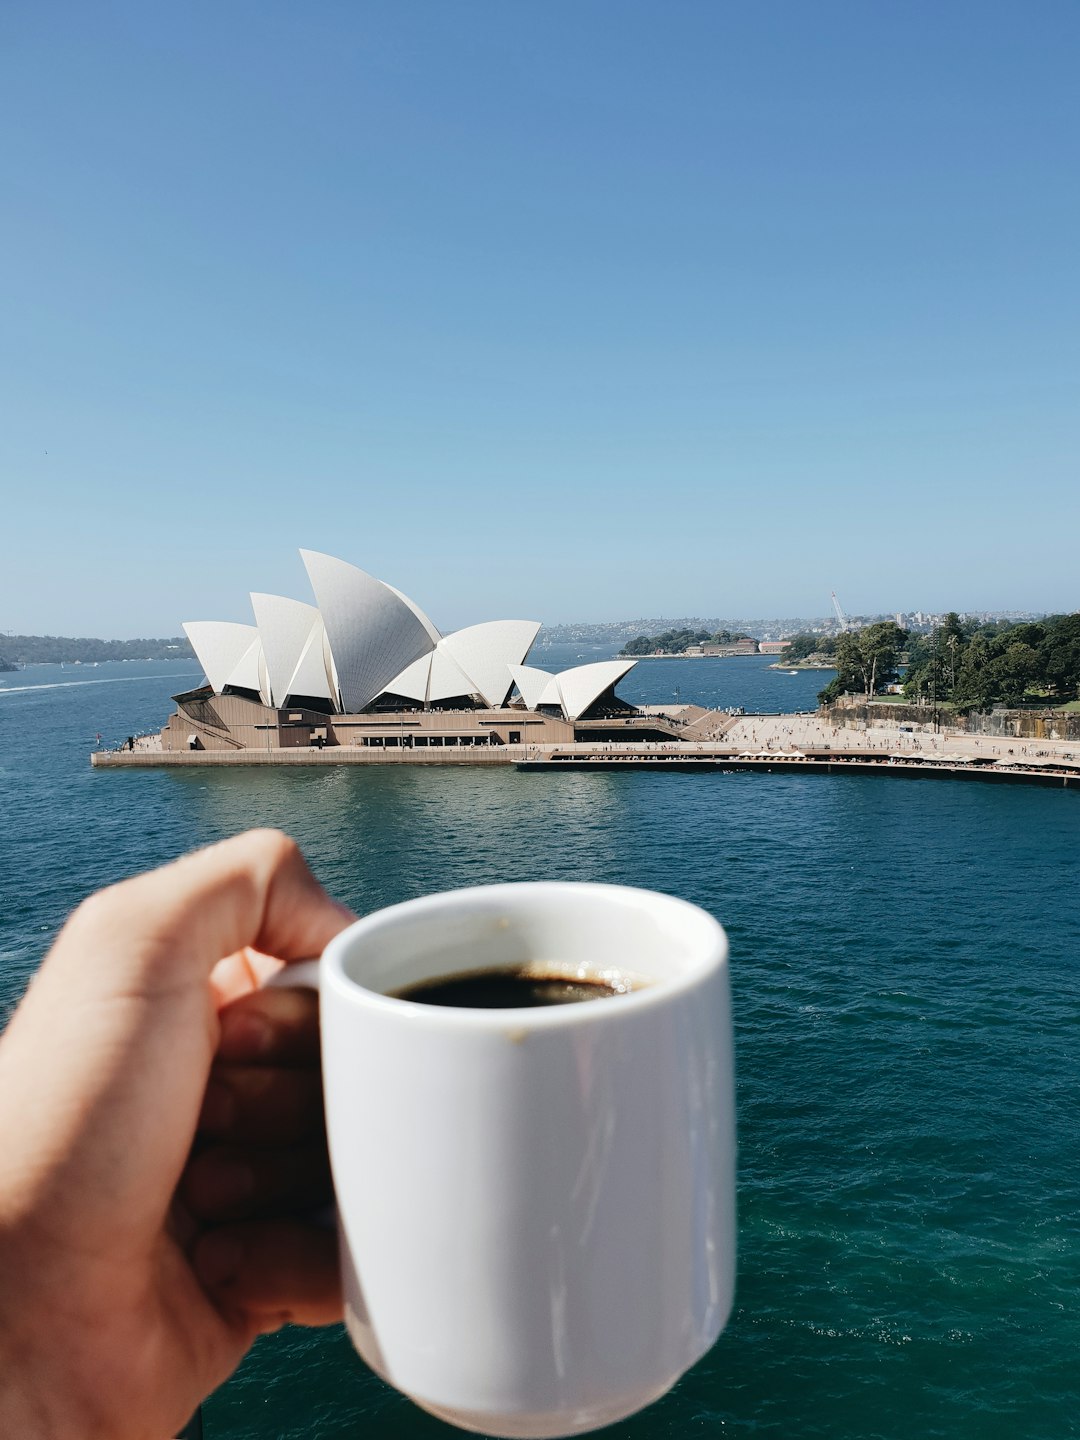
[(610, 758), (331, 755), (1005, 724)]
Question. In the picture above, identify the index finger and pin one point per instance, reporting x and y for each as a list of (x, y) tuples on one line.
[(170, 927)]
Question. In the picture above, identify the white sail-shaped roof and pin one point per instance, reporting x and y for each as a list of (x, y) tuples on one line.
[(428, 626), (485, 652), (312, 676), (373, 632), (364, 638), (473, 661), (579, 687), (249, 672), (433, 677), (412, 683), (447, 678), (550, 694), (573, 690), (285, 628), (219, 646), (531, 682), (330, 667)]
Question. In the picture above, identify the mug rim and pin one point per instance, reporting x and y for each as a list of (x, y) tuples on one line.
[(706, 944)]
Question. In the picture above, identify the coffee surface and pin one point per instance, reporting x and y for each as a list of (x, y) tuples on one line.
[(510, 989)]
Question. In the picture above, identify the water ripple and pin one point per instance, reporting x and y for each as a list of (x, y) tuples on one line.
[(906, 968)]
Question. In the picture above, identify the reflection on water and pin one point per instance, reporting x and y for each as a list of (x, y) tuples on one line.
[(380, 834)]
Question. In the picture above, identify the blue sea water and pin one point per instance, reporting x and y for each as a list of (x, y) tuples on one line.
[(906, 971)]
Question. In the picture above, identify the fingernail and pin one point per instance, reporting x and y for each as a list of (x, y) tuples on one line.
[(245, 1035), (218, 1258), (218, 1108)]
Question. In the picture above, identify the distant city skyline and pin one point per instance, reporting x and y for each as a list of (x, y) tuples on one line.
[(772, 620), (715, 309), (761, 627)]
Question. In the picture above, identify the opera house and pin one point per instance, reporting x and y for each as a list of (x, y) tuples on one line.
[(364, 666)]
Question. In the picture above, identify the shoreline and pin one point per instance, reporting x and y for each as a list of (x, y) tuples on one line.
[(693, 739), (609, 756), (1059, 778), (667, 759), (798, 665)]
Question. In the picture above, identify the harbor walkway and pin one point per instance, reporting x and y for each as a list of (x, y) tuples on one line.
[(708, 740)]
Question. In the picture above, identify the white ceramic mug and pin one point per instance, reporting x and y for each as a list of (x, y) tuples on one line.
[(537, 1206)]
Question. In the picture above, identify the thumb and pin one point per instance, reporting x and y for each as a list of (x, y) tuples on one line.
[(112, 1046)]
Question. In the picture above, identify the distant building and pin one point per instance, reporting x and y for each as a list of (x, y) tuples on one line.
[(773, 647), (745, 646), (365, 666)]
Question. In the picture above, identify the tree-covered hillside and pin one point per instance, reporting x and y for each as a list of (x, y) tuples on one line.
[(806, 643), (973, 667), (675, 642), (964, 664), (54, 649)]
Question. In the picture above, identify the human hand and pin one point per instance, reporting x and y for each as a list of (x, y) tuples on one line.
[(160, 1140)]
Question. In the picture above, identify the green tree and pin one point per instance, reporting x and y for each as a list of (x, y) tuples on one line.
[(866, 660), (1060, 655), (640, 645), (977, 666), (878, 651), (935, 661), (971, 686), (1031, 633), (801, 646), (921, 658), (996, 668), (1013, 671), (950, 641), (674, 642)]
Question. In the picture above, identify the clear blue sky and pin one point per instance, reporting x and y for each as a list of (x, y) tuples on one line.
[(563, 310)]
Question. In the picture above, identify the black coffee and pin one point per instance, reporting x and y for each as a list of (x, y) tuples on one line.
[(516, 989)]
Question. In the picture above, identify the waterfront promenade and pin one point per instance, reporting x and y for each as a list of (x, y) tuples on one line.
[(810, 732), (702, 740)]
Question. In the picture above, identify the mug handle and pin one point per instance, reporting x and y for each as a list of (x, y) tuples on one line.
[(301, 974)]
